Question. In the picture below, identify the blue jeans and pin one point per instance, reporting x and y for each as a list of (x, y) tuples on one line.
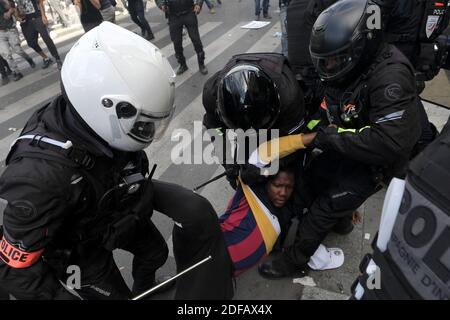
[(283, 22), (209, 4), (265, 7)]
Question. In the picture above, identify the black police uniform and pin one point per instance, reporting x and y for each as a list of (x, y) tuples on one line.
[(290, 118), (403, 19), (370, 142), (412, 262), (181, 14), (72, 205)]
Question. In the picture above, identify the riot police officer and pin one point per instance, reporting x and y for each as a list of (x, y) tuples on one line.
[(77, 184), (365, 126), (183, 13), (253, 91)]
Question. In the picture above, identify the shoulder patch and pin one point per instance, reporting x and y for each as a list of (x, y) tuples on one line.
[(23, 209), (393, 92)]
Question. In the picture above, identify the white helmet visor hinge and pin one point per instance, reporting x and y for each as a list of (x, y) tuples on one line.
[(146, 127)]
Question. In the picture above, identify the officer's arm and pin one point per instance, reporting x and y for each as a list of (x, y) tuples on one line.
[(211, 119), (394, 126), (31, 217)]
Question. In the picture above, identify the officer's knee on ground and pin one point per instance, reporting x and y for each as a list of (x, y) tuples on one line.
[(202, 215)]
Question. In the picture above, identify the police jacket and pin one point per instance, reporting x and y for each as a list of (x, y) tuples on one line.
[(179, 7), (60, 191), (375, 119)]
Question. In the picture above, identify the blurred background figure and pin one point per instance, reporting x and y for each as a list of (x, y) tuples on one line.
[(33, 21), (283, 22), (62, 17), (90, 15), (210, 6), (9, 40), (265, 9), (137, 14), (107, 10)]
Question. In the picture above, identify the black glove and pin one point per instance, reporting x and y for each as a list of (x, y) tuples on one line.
[(251, 174), (232, 171)]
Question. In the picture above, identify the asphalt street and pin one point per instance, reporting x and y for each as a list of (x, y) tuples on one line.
[(222, 37)]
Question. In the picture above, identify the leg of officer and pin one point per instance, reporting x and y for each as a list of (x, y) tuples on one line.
[(100, 277), (176, 35), (350, 184), (191, 23), (196, 236), (150, 253)]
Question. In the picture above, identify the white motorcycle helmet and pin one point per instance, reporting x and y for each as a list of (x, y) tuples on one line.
[(121, 85)]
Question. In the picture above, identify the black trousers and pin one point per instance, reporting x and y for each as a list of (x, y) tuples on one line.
[(31, 30), (334, 187), (196, 235), (137, 14), (176, 23), (3, 67)]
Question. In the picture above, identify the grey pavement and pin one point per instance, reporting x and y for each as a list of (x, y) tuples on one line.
[(222, 37)]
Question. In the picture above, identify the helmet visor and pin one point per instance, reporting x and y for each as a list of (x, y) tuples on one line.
[(336, 65), (332, 67), (150, 127), (248, 98)]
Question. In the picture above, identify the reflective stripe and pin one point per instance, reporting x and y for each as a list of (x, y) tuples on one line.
[(64, 145), (391, 117), (366, 127), (312, 124), (297, 127), (342, 130)]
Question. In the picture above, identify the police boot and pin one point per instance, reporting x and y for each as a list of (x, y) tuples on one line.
[(280, 268), (182, 68), (148, 35), (344, 226), (201, 63)]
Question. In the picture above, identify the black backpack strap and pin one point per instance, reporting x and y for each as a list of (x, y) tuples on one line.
[(33, 145)]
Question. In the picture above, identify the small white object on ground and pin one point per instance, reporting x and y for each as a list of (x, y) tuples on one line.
[(305, 281), (367, 236), (255, 25)]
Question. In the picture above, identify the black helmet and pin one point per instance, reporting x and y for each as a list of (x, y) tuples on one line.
[(342, 42), (248, 98)]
